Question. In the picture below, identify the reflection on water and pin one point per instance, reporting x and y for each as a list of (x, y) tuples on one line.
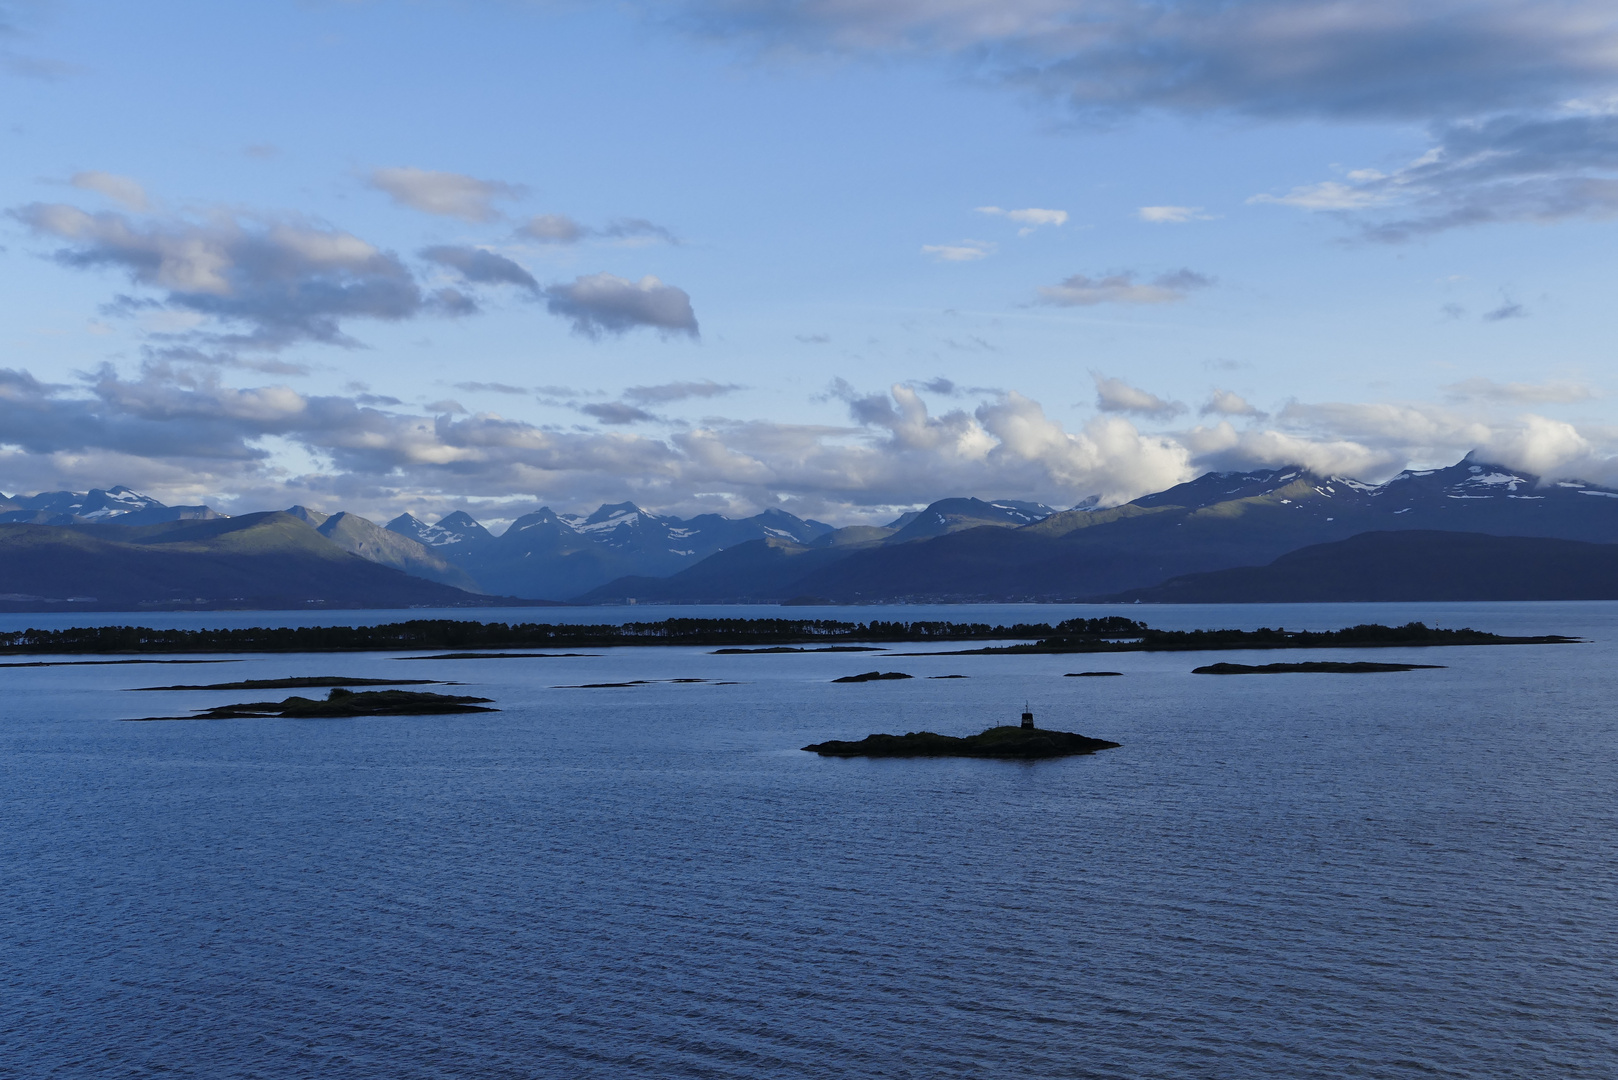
[(1274, 876)]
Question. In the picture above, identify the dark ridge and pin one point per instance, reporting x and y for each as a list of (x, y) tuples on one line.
[(1363, 636), (106, 663), (1089, 674), (1407, 566), (460, 635), (308, 682), (873, 676), (997, 742), (799, 648), (498, 656), (1111, 634), (1358, 667)]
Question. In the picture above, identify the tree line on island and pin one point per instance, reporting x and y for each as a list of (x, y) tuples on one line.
[(1107, 634)]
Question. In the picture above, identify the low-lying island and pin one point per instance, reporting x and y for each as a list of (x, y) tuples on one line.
[(1007, 741)]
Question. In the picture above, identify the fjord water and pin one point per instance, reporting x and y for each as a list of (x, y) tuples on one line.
[(1388, 875)]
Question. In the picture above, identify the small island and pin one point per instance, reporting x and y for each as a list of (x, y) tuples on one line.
[(304, 682), (342, 703), (1006, 741), (874, 676)]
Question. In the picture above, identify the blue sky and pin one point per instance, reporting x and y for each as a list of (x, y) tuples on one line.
[(729, 255)]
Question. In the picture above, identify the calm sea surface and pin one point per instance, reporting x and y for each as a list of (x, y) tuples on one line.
[(1392, 875)]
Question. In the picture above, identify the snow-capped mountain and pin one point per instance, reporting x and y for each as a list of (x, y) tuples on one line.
[(119, 506), (1215, 522), (953, 515), (546, 554), (455, 533)]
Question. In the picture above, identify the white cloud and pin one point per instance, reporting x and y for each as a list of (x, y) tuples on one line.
[(965, 251), (1116, 396), (123, 190), (1546, 393), (1031, 218), (1122, 288), (1327, 195), (1550, 448), (1171, 215), (445, 194), (1228, 403)]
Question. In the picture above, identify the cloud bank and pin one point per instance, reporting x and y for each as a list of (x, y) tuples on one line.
[(189, 436), (1540, 169), (1383, 59)]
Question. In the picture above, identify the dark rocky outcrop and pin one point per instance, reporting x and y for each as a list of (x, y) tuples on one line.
[(344, 703), (996, 742)]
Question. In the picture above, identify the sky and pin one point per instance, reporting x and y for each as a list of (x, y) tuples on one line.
[(841, 258)]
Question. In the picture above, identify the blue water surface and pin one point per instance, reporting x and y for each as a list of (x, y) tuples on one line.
[(1391, 875)]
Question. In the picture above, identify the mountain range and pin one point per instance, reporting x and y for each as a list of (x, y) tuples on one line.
[(957, 549), (1215, 522), (272, 560)]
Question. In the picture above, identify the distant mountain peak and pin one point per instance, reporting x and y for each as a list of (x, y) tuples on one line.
[(455, 530), (609, 516)]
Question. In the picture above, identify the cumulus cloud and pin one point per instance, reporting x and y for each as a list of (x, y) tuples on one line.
[(1123, 288), (965, 251), (606, 304), (1170, 215), (1031, 218), (445, 194), (123, 190), (561, 229), (1116, 396), (1228, 403), (284, 281), (190, 437)]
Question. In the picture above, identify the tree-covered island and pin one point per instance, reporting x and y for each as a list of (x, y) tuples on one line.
[(1107, 634)]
